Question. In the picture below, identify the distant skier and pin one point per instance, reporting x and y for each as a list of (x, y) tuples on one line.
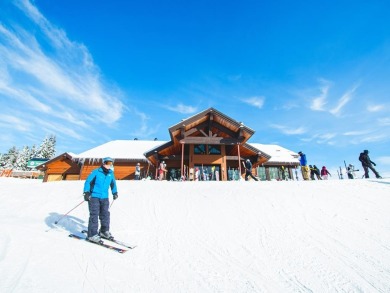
[(367, 164), (325, 173), (96, 193), (351, 171)]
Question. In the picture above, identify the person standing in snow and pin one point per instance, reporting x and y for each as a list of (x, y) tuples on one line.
[(367, 164), (325, 173), (162, 170), (304, 167), (248, 170), (311, 172), (96, 193), (317, 172), (351, 171), (138, 172)]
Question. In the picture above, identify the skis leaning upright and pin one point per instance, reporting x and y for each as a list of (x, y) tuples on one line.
[(115, 241), (117, 249)]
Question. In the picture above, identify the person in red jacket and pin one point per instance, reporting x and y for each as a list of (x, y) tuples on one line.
[(325, 173)]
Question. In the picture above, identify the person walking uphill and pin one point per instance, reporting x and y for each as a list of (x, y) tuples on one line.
[(367, 163), (96, 193), (304, 167)]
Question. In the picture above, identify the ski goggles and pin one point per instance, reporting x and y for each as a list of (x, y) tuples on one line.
[(108, 163)]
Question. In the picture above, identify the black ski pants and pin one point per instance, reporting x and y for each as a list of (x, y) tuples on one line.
[(366, 167)]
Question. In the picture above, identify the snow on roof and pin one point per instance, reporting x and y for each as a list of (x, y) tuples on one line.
[(135, 149), (121, 149), (278, 154)]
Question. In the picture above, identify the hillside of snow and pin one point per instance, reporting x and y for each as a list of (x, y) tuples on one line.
[(291, 236)]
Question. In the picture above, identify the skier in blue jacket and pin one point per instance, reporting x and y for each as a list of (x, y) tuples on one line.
[(96, 193)]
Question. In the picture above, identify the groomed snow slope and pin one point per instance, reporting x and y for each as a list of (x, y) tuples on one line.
[(317, 236)]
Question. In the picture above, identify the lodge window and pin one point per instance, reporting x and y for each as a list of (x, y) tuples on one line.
[(202, 149), (214, 149), (261, 173)]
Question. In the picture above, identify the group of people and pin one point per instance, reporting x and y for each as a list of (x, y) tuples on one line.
[(309, 171)]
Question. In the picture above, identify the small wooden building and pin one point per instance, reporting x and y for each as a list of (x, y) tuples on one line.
[(210, 141)]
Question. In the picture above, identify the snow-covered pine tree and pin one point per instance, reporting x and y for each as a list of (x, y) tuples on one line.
[(9, 159), (22, 159), (47, 149)]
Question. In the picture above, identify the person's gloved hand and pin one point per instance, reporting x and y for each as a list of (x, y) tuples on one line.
[(87, 196), (115, 195), (374, 164)]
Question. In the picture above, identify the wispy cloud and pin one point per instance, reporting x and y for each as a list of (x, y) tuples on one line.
[(46, 81), (375, 108), (383, 160), (384, 121), (10, 121), (319, 102), (257, 102), (356, 133), (182, 109), (343, 101), (288, 130)]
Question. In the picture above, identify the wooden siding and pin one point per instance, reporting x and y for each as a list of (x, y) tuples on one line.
[(122, 171)]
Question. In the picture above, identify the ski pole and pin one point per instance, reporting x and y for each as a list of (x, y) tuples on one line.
[(56, 222)]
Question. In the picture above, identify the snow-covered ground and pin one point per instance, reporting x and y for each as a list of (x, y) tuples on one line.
[(316, 236)]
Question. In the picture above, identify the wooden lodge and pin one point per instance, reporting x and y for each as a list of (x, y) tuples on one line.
[(209, 141)]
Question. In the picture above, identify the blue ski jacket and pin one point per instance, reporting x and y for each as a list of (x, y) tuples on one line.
[(98, 182), (303, 160)]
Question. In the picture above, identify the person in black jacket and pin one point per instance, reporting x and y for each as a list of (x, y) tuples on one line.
[(367, 164), (248, 170)]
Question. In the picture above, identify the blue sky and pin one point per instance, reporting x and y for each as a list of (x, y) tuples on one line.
[(307, 75)]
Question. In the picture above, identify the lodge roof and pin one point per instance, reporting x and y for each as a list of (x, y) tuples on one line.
[(133, 150)]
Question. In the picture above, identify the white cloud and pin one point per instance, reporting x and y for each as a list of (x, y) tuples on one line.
[(288, 130), (383, 160), (343, 101), (384, 121), (10, 121), (319, 102), (183, 109), (257, 102), (375, 108), (67, 76)]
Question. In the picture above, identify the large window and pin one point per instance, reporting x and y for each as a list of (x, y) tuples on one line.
[(274, 173), (261, 173), (199, 149), (202, 149), (214, 149)]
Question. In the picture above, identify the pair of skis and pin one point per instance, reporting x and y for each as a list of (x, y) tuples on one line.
[(105, 244)]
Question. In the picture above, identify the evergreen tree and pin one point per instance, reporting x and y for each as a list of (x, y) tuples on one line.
[(47, 148), (22, 159), (10, 158)]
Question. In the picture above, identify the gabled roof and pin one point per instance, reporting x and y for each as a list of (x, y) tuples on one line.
[(69, 156), (216, 123), (278, 155), (121, 150)]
